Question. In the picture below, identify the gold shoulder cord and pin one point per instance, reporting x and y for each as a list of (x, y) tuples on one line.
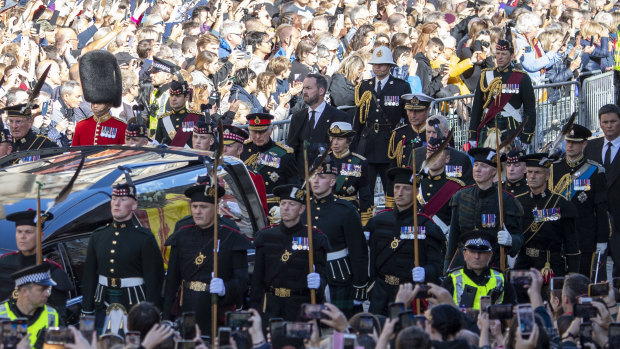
[(363, 102), (494, 89), (251, 160), (562, 184), (395, 151)]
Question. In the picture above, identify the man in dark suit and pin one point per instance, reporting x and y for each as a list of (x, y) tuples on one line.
[(380, 109), (459, 166), (312, 124), (604, 150)]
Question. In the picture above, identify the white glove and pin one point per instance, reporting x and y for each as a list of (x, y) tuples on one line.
[(217, 287), (473, 143), (601, 247), (357, 302), (504, 238), (314, 280), (418, 274)]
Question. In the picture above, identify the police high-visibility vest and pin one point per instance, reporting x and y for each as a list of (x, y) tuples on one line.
[(460, 280), (47, 318), (617, 52)]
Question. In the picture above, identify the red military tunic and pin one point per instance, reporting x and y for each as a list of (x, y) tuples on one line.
[(99, 131)]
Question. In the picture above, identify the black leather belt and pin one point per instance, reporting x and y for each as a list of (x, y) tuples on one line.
[(379, 127)]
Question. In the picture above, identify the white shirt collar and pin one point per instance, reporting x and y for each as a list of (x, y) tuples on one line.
[(615, 142), (318, 110), (383, 82)]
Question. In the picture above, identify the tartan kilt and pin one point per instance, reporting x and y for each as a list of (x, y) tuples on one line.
[(342, 296)]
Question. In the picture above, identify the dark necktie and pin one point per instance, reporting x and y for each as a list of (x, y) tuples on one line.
[(312, 119), (379, 87), (607, 161)]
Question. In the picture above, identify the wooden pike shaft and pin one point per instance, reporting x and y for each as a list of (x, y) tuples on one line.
[(502, 250), (309, 225)]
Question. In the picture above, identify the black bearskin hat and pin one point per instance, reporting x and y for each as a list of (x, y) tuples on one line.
[(101, 78)]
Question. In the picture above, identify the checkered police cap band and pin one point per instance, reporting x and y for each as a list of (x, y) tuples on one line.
[(37, 277), (478, 242)]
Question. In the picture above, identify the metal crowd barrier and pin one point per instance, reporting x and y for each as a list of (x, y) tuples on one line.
[(555, 103), (596, 91)]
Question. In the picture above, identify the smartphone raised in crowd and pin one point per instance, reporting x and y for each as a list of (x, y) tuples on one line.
[(188, 330), (525, 317), (500, 311), (223, 335), (485, 302), (598, 290), (133, 338), (395, 309)]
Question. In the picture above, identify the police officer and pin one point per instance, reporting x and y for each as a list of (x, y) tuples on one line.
[(347, 261), (123, 261), (582, 182), (137, 135), (413, 134), (459, 164), (274, 161), (436, 188), (477, 207), (25, 256), (392, 245), (352, 180), (379, 111), (33, 286), (24, 138), (502, 92), (477, 279), (278, 285), (189, 282), (515, 182), (549, 222), (175, 127)]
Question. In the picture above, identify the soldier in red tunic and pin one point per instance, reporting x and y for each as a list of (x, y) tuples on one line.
[(102, 87)]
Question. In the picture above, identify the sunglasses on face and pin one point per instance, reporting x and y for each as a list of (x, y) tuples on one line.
[(485, 44)]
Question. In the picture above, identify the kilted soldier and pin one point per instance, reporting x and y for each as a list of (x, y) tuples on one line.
[(202, 136), (175, 127), (551, 243), (278, 286), (102, 86), (352, 180), (347, 261), (274, 161), (379, 111), (515, 182), (123, 262), (436, 188), (582, 182), (392, 243), (504, 96), (476, 207), (189, 282)]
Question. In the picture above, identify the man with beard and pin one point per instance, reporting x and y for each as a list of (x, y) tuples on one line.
[(312, 124)]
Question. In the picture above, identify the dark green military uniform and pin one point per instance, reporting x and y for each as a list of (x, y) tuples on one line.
[(583, 183), (117, 251), (549, 228), (392, 254), (515, 91), (189, 272), (469, 207), (280, 269), (477, 209), (347, 261), (281, 262), (14, 261)]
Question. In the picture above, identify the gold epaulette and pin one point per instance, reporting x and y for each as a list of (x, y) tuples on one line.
[(194, 112), (358, 155), (527, 192), (454, 179), (247, 141), (121, 120), (519, 71), (285, 147), (41, 136), (165, 114)]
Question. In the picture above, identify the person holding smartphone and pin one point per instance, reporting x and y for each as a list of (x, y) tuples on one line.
[(477, 279)]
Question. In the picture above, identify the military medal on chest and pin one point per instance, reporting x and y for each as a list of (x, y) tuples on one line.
[(488, 220), (199, 259), (581, 184), (187, 126), (454, 171), (285, 256), (301, 244), (394, 243), (271, 160)]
